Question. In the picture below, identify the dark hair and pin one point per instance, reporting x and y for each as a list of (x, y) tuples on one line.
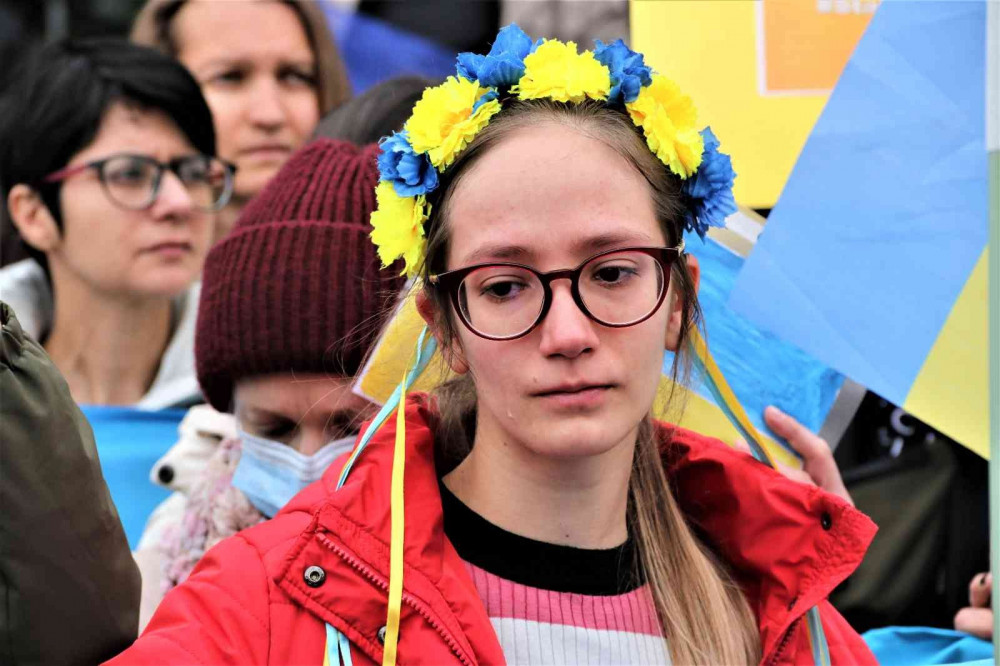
[(56, 98), (377, 112)]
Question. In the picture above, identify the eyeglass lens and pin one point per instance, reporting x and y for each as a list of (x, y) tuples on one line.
[(133, 181), (616, 289)]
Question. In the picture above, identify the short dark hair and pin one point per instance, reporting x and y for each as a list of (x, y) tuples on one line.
[(56, 96)]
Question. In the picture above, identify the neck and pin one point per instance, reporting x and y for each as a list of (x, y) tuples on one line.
[(578, 502), (107, 347), (226, 218)]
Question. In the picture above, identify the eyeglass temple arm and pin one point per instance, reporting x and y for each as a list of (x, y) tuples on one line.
[(65, 172)]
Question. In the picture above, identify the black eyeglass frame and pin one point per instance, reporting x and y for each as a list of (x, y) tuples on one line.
[(229, 171), (450, 281)]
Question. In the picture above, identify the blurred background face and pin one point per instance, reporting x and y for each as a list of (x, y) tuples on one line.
[(257, 71), (158, 251), (304, 411)]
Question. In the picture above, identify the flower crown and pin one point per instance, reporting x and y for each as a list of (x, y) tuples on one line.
[(448, 116)]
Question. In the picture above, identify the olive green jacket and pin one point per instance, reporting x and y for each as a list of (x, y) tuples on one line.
[(69, 589)]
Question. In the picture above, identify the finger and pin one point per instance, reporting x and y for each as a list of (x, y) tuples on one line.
[(979, 590), (741, 445), (800, 437), (975, 621), (817, 457)]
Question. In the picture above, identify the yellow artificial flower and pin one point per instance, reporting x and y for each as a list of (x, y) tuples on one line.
[(556, 71), (443, 123), (399, 227), (667, 118)]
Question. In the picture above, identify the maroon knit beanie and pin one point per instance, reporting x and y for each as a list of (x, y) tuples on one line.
[(297, 285)]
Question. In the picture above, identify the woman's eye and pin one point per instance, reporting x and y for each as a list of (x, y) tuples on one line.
[(342, 425), (230, 76), (502, 289), (130, 174), (614, 274), (194, 171), (277, 431), (297, 77)]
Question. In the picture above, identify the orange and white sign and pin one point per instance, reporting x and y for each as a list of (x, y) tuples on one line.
[(803, 45)]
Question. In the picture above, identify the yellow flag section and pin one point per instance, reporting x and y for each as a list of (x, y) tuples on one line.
[(958, 361), (759, 72), (394, 354)]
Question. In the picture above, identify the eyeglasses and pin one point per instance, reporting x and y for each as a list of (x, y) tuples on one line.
[(505, 301), (133, 181)]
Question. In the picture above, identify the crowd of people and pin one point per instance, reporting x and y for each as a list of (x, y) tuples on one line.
[(210, 215)]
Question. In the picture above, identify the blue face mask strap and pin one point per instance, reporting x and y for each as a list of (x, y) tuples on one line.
[(426, 346)]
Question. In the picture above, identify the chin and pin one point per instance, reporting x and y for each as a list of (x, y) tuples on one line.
[(578, 436), (251, 178)]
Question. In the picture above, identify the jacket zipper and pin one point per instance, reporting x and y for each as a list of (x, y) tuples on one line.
[(409, 600), (784, 640)]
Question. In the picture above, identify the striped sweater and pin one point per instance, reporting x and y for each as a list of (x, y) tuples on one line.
[(554, 604)]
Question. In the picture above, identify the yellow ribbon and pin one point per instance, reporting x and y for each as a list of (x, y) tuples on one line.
[(396, 536), (728, 397)]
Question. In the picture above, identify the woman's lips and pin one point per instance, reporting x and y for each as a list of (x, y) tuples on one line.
[(266, 153), (587, 397), (172, 250)]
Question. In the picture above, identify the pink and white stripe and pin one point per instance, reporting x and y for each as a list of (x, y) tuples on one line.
[(537, 626)]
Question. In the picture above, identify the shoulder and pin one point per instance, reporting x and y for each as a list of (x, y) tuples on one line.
[(26, 289), (683, 449)]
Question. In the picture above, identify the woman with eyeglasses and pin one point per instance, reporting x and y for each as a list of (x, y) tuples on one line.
[(530, 511), (110, 178)]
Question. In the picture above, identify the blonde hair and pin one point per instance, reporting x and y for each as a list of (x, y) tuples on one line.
[(704, 615), (152, 27)]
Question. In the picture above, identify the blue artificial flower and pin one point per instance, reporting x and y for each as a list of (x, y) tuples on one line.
[(487, 96), (710, 188), (411, 174), (628, 71), (503, 66)]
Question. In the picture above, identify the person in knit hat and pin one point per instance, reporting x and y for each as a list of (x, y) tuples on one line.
[(291, 302)]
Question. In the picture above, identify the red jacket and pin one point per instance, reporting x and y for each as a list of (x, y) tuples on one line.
[(247, 601)]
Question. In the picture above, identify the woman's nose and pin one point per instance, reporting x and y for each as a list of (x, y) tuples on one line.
[(311, 440), (173, 201), (566, 330)]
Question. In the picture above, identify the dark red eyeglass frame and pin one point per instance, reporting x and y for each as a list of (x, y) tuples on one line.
[(450, 281)]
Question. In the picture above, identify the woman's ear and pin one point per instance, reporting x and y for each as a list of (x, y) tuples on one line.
[(32, 218), (452, 353), (676, 302)]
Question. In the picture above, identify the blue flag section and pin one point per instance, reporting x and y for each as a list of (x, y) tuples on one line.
[(374, 50), (761, 369), (129, 442), (883, 219), (917, 646)]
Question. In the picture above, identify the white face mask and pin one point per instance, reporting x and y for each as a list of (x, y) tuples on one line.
[(271, 473)]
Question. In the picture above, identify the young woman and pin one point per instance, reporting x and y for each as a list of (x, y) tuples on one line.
[(541, 197), (269, 70), (110, 178)]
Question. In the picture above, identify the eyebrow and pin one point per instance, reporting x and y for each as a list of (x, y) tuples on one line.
[(586, 246), (222, 62)]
